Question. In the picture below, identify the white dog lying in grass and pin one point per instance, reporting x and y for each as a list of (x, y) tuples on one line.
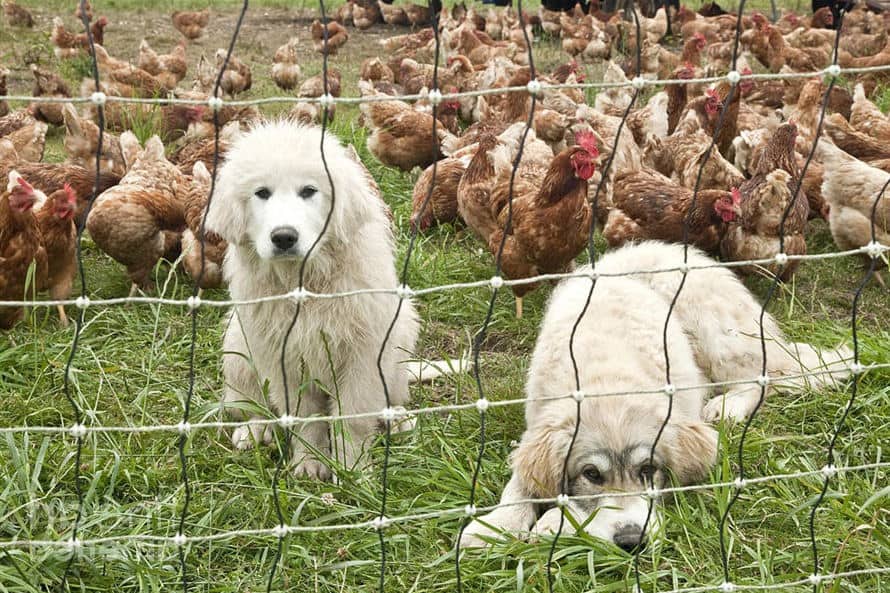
[(272, 199), (713, 336)]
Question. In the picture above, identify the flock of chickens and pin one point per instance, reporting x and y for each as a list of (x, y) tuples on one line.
[(641, 179)]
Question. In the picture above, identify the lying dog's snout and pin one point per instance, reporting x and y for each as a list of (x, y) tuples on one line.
[(629, 537), (284, 237)]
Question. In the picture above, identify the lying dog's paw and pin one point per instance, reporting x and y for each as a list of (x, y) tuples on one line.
[(471, 536), (312, 468), (735, 406), (244, 437), (548, 524)]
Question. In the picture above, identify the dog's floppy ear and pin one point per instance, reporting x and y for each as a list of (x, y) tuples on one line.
[(690, 449), (541, 455), (357, 193), (226, 216)]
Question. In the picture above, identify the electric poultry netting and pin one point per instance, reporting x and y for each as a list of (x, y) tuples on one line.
[(79, 429)]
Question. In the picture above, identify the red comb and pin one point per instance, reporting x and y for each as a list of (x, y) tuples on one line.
[(586, 140), (712, 93), (746, 70), (25, 185), (69, 191), (736, 195)]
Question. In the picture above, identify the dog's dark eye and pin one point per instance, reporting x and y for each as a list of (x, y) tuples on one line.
[(647, 473), (308, 191), (263, 193), (593, 475)]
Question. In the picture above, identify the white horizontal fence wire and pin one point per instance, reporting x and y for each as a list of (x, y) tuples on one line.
[(218, 103), (80, 429), (288, 420), (874, 249), (463, 511)]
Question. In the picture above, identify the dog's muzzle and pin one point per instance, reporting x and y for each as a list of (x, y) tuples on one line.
[(284, 239), (629, 537)]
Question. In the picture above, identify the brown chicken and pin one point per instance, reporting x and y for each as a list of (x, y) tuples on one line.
[(680, 156), (191, 24), (170, 68), (550, 218), (400, 135), (85, 10), (194, 150), (207, 274), (52, 177), (779, 53), (392, 15), (17, 16), (442, 205), (69, 44), (56, 221), (20, 245), (850, 188), (27, 135), (139, 221), (678, 94), (236, 78), (285, 65), (365, 14), (417, 14), (82, 141), (648, 205), (765, 198), (336, 33), (858, 144), (48, 84), (866, 118)]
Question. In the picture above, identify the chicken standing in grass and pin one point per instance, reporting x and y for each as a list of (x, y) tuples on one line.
[(202, 260), (191, 24), (765, 199), (550, 218), (140, 220), (650, 206), (336, 36), (851, 188), (17, 16), (285, 66), (56, 221), (20, 245)]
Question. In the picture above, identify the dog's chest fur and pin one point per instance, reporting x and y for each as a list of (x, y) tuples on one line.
[(327, 331)]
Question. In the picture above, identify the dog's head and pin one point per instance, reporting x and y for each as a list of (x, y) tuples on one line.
[(273, 194), (612, 456)]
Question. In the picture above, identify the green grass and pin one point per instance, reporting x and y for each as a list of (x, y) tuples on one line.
[(132, 369)]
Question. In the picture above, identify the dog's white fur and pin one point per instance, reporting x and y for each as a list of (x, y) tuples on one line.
[(713, 336), (333, 347)]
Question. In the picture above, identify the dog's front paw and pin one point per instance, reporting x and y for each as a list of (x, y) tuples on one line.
[(733, 407), (472, 536), (244, 437), (548, 524), (312, 468)]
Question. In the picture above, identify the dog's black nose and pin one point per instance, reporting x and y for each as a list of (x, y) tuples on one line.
[(284, 237), (629, 537)]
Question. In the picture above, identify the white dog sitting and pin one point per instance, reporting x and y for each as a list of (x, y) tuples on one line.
[(271, 204), (713, 336)]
